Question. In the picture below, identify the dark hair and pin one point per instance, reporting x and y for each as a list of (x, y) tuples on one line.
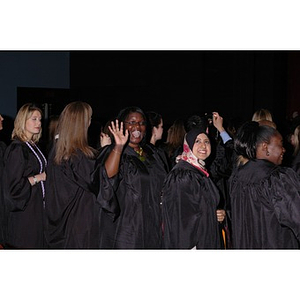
[(123, 114), (249, 136), (153, 120), (196, 121)]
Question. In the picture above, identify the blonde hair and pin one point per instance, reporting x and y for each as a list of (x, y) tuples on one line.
[(25, 113), (296, 140), (72, 131), (262, 114)]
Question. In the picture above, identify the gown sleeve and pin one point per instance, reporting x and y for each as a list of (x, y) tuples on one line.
[(106, 196), (17, 186), (286, 199), (80, 172)]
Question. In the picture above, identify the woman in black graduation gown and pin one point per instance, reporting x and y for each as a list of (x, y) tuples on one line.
[(72, 214), (190, 198), (131, 217), (265, 197), (23, 181), (2, 145), (2, 216)]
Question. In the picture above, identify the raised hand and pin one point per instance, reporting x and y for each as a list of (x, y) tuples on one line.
[(118, 133), (218, 122)]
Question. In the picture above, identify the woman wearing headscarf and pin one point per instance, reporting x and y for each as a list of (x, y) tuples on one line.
[(190, 198)]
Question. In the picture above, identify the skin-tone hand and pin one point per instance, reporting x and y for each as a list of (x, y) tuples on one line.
[(42, 176), (104, 139), (39, 177), (119, 137), (221, 215), (113, 160), (218, 122)]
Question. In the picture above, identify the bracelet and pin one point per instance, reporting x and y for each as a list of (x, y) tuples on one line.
[(116, 151), (35, 180)]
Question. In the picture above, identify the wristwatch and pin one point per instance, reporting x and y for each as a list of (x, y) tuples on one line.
[(35, 180)]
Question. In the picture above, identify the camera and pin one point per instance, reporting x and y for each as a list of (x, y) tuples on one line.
[(209, 117)]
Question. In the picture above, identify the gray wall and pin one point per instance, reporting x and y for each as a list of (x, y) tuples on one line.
[(46, 69)]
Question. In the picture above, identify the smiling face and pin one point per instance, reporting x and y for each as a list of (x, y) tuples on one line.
[(276, 150), (272, 151), (136, 126), (33, 124), (202, 147)]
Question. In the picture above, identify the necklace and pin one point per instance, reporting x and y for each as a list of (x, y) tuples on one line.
[(140, 152), (31, 147)]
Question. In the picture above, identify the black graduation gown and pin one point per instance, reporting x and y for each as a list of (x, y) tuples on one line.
[(72, 214), (296, 163), (23, 202), (220, 167), (189, 203), (265, 206), (2, 214), (131, 217)]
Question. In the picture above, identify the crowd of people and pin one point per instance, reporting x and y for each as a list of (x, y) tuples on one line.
[(208, 186)]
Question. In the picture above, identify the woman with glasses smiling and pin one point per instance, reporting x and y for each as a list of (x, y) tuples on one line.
[(136, 173)]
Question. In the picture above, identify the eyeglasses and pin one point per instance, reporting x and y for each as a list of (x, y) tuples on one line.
[(134, 123)]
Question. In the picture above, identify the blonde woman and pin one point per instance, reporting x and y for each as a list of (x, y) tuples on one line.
[(262, 114), (23, 181)]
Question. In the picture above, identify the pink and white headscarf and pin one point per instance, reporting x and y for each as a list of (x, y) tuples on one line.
[(188, 156)]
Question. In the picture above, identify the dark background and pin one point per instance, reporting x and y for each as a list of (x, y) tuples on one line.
[(177, 84)]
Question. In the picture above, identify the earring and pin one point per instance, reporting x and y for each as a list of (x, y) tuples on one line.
[(268, 153)]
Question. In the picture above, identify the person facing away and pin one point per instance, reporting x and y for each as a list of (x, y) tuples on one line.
[(52, 131), (136, 173), (190, 198), (174, 143), (156, 128), (71, 211), (295, 141), (106, 136), (265, 197), (154, 135), (23, 182), (262, 114)]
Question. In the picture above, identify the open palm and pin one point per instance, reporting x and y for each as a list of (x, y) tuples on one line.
[(117, 130)]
